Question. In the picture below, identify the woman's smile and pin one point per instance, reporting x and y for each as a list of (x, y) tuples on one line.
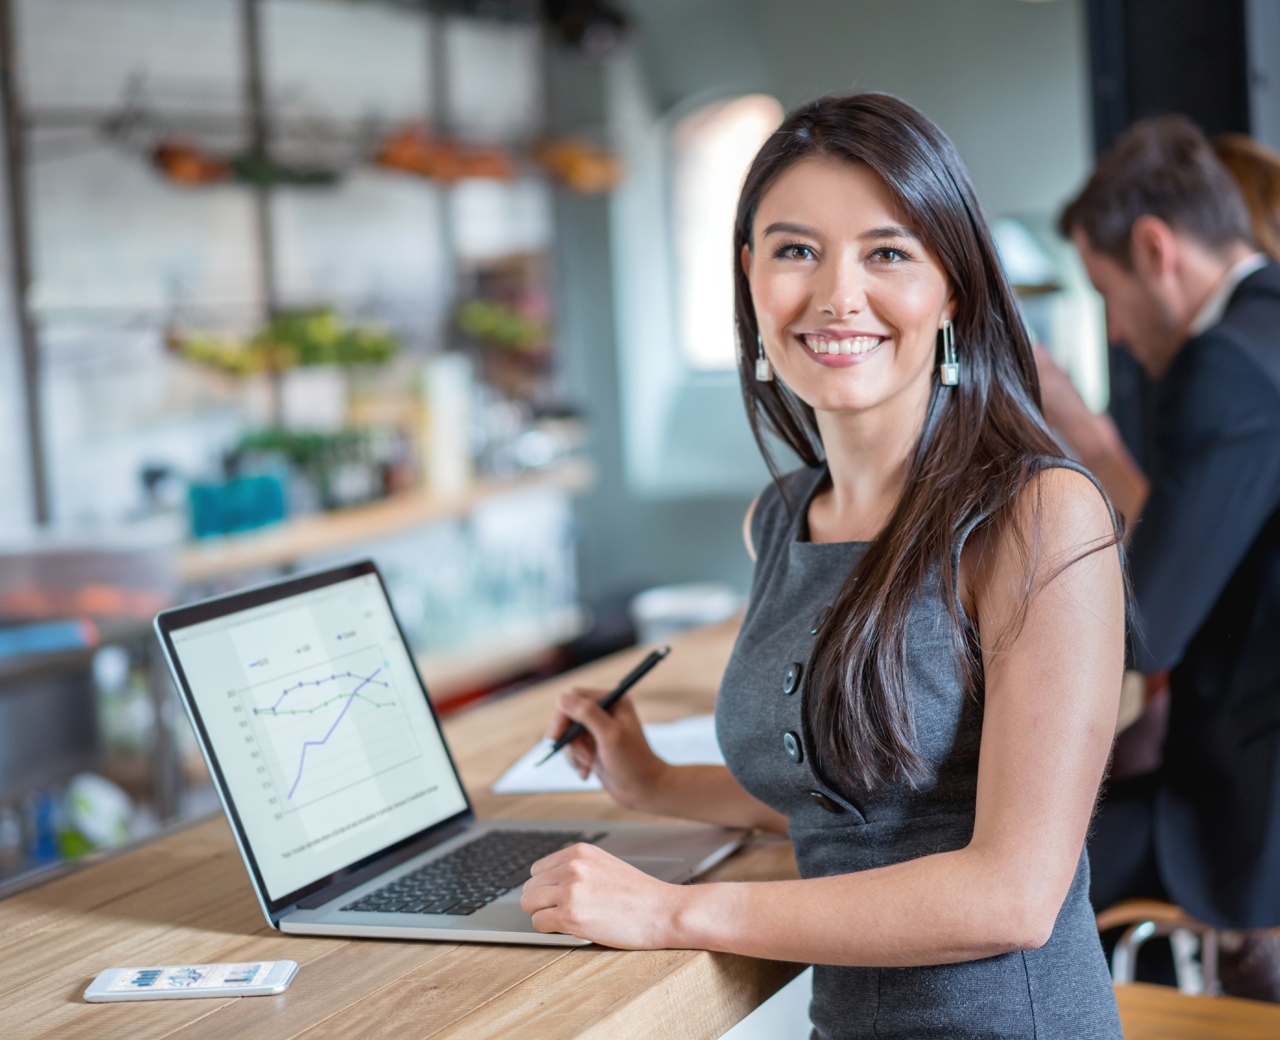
[(838, 349)]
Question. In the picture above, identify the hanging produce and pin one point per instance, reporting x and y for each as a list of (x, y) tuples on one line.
[(414, 150), (503, 325), (583, 165), (580, 164), (290, 340), (184, 163)]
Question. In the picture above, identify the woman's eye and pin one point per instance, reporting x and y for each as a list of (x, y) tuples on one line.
[(795, 252), (889, 255)]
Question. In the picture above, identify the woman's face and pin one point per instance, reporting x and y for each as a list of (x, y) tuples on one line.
[(847, 298)]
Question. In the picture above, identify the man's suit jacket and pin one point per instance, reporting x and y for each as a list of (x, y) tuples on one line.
[(1205, 568)]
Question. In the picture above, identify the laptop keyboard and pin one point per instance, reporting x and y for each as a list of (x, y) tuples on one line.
[(469, 877)]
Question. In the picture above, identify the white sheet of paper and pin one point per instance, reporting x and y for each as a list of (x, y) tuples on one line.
[(685, 742)]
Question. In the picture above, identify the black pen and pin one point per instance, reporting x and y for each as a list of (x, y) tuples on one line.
[(634, 676)]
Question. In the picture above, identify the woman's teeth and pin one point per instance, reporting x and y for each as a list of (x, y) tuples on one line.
[(855, 345)]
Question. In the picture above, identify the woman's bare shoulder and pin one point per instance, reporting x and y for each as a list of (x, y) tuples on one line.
[(1059, 517), (1065, 508)]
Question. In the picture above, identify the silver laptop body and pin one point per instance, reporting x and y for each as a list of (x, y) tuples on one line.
[(335, 774)]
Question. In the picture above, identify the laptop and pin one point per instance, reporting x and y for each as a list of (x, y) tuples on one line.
[(338, 782)]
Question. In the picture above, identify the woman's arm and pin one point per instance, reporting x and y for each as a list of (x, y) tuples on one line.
[(1052, 691), (614, 747)]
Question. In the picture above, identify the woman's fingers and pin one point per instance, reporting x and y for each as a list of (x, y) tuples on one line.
[(584, 706), (552, 876), (613, 747), (585, 891), (554, 859), (581, 758), (582, 752), (547, 921), (548, 878)]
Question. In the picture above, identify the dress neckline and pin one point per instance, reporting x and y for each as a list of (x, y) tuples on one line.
[(802, 523)]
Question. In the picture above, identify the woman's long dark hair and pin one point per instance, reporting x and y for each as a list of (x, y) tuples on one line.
[(982, 441)]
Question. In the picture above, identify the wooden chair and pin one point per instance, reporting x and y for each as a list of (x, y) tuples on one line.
[(1147, 918)]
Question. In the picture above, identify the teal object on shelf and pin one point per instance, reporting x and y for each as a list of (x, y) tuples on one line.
[(242, 504), (47, 637)]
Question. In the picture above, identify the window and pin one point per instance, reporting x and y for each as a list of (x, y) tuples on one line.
[(712, 149)]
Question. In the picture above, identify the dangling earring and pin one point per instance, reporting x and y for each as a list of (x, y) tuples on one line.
[(764, 370), (950, 368)]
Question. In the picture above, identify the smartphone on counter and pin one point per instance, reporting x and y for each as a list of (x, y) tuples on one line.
[(246, 979)]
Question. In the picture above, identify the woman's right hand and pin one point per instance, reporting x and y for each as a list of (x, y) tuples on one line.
[(614, 746)]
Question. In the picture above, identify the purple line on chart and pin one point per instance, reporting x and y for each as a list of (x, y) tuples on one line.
[(274, 710)]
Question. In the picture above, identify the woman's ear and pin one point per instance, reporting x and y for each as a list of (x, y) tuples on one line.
[(746, 259)]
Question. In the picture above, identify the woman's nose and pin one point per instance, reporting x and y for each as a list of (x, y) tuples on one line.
[(842, 290)]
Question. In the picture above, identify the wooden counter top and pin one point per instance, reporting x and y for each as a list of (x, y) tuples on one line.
[(186, 899)]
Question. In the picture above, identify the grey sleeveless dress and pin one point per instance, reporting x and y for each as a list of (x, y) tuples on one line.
[(1061, 990)]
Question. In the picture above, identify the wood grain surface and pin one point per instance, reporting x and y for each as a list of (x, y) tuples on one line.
[(1162, 1013), (186, 899)]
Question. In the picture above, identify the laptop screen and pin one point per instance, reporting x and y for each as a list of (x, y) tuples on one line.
[(327, 745)]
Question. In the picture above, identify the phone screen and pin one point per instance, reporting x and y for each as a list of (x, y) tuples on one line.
[(192, 977)]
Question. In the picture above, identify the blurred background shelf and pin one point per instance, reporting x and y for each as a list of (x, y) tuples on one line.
[(293, 540), (531, 648)]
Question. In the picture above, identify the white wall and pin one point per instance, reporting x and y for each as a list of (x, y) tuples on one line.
[(1005, 79)]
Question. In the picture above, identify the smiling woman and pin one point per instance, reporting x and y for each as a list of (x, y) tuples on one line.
[(918, 696)]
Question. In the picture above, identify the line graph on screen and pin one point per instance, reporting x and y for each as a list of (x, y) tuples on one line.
[(327, 727)]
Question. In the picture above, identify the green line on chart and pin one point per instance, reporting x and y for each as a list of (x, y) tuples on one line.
[(325, 704)]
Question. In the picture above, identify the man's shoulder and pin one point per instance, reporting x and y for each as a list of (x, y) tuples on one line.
[(1245, 344), (1251, 323), (1265, 281), (1226, 381)]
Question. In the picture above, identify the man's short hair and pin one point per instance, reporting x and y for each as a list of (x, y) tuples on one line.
[(1163, 168)]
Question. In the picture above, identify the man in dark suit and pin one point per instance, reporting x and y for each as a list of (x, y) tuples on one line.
[(1166, 240)]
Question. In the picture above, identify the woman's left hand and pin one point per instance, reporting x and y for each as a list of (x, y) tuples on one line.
[(585, 891)]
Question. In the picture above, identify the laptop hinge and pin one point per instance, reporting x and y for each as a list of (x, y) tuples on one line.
[(381, 866)]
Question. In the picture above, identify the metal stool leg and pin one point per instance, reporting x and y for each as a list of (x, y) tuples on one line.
[(1124, 958)]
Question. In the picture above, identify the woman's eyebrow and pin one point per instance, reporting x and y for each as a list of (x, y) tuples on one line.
[(890, 231), (790, 229)]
